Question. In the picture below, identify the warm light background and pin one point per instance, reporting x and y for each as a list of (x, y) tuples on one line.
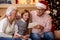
[(25, 1)]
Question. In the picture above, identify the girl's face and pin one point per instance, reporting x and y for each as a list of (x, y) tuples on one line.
[(25, 16)]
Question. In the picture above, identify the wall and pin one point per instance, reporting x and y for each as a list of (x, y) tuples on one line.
[(20, 8)]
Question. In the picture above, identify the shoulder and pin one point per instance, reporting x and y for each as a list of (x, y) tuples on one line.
[(3, 21), (19, 22), (34, 11), (48, 17)]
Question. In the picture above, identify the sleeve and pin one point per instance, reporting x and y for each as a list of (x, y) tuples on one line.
[(5, 35), (16, 28), (48, 24), (31, 13), (16, 31), (3, 26)]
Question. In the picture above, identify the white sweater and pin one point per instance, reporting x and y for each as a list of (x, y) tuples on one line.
[(7, 29)]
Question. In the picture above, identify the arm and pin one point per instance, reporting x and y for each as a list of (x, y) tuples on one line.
[(16, 35), (3, 25), (5, 35), (48, 25), (30, 19)]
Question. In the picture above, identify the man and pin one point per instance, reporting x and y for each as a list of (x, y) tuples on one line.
[(40, 16)]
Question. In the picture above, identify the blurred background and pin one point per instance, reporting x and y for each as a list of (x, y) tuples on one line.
[(54, 7)]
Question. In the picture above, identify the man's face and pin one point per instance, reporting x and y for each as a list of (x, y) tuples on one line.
[(40, 11)]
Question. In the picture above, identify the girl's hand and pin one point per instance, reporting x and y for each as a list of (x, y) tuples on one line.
[(15, 36)]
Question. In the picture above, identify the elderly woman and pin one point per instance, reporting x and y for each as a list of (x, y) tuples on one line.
[(7, 25)]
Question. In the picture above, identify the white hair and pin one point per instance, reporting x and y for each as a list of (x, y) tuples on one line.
[(10, 9)]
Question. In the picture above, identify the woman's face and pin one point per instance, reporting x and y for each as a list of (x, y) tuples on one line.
[(25, 16), (13, 15)]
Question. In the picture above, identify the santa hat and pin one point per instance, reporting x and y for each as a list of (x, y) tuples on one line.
[(42, 4), (10, 9)]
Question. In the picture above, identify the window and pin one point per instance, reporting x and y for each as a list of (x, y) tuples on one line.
[(5, 1), (26, 1)]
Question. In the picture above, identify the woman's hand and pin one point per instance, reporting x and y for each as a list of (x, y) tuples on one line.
[(15, 36)]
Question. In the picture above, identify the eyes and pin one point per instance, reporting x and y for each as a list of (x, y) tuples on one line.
[(40, 9), (26, 15)]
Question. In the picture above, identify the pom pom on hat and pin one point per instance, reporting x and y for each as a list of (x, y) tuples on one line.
[(10, 9)]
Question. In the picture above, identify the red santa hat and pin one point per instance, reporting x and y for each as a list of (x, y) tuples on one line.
[(42, 4)]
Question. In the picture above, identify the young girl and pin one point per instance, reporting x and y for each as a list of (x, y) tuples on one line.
[(23, 24)]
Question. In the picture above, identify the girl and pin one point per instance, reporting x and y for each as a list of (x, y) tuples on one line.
[(23, 24)]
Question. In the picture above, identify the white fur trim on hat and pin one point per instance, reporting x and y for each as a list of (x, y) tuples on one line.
[(10, 9), (40, 5)]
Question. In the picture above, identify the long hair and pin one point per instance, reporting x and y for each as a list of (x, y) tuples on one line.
[(25, 11)]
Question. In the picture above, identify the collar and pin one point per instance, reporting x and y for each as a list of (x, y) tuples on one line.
[(23, 20)]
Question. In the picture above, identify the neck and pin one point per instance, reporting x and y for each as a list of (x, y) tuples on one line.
[(23, 20), (10, 21)]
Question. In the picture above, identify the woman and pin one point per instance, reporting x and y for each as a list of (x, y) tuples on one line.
[(7, 25), (23, 24)]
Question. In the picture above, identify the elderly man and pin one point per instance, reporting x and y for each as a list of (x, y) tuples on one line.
[(40, 16)]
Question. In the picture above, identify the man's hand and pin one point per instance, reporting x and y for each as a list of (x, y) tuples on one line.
[(25, 37)]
